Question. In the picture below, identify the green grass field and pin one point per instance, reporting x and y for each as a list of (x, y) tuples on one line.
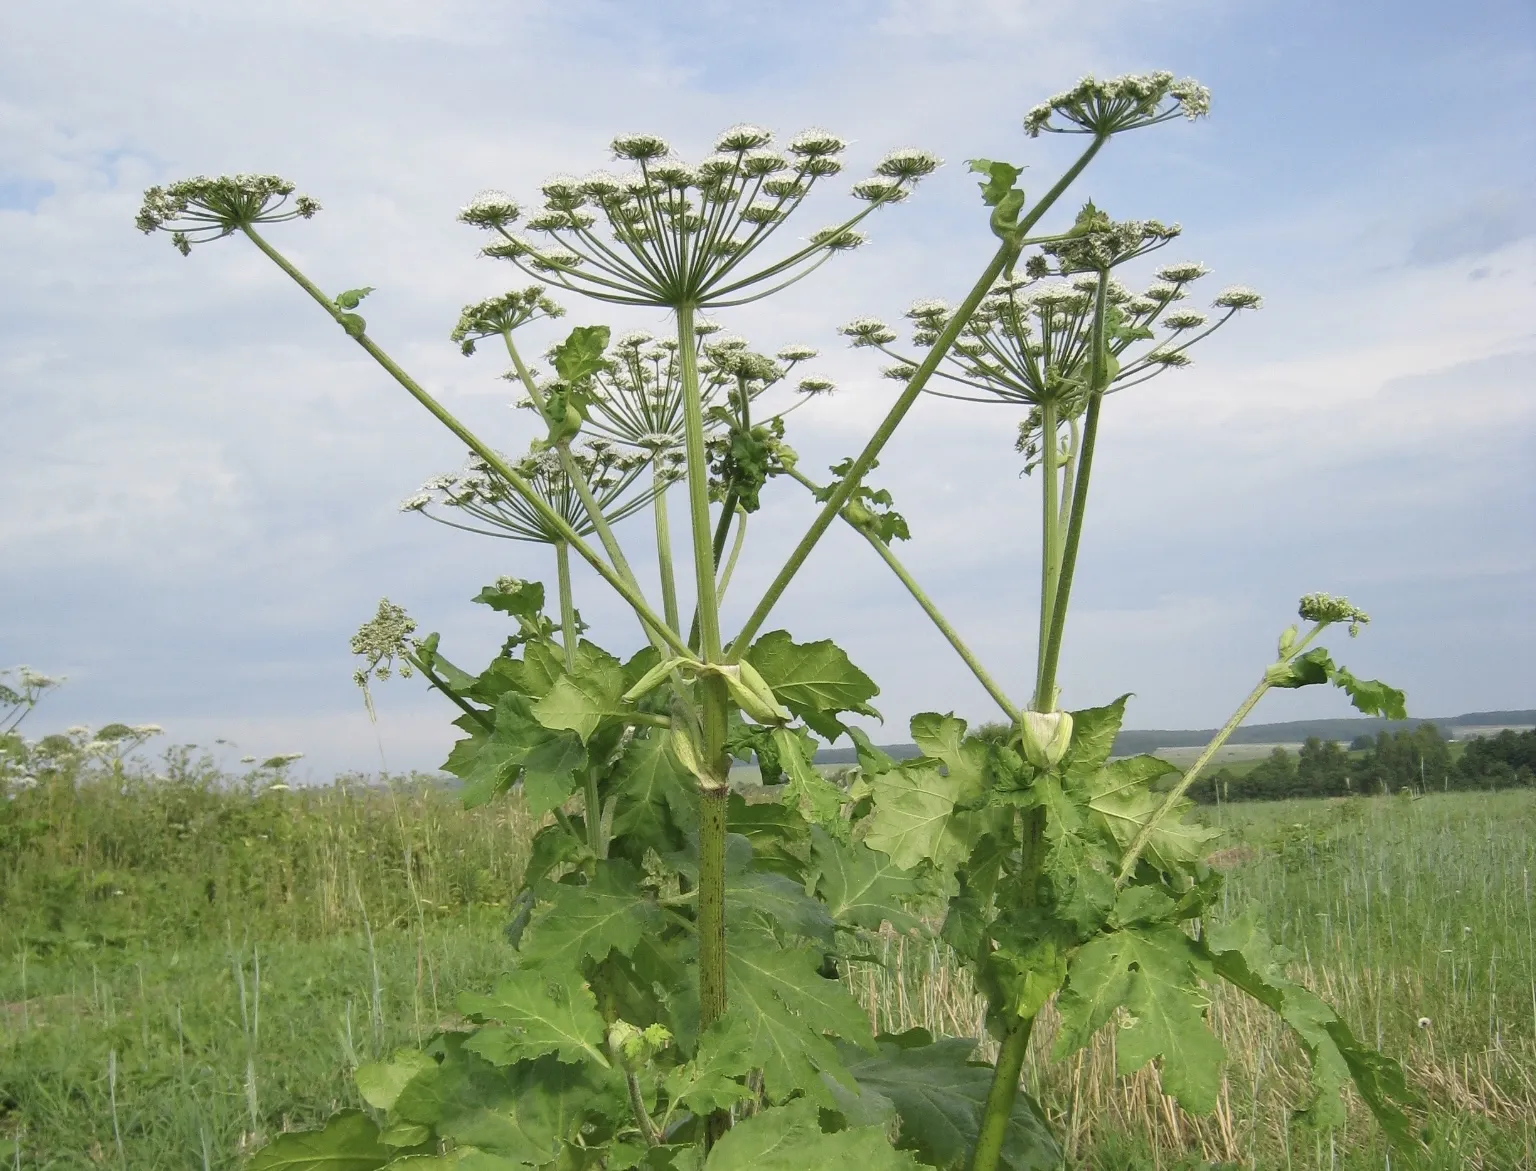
[(185, 970)]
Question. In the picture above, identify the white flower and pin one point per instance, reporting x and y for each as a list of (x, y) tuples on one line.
[(759, 163), (878, 188), (1425, 1022), (562, 187), (796, 353), (416, 503), (907, 163), (640, 147), (1238, 297), (867, 331), (839, 239), (815, 386), (743, 137), (674, 173), (490, 209), (602, 185), (1185, 319), (816, 143), (928, 307), (1182, 273)]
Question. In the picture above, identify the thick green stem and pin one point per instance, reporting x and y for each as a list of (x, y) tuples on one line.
[(998, 1111), (714, 788), (723, 526), (1045, 688), (567, 605), (578, 480), (730, 562), (622, 587), (698, 490), (1004, 1090), (711, 921), (1050, 564), (1006, 255), (591, 804), (664, 545), (484, 718)]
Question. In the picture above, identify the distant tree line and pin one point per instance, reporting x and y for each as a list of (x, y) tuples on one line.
[(1418, 760)]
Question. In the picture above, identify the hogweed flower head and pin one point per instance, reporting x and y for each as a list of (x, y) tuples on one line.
[(498, 316), (867, 331), (1116, 104), (385, 644), (1237, 297), (1098, 243), (490, 209), (637, 394), (496, 509), (200, 209), (1031, 339), (672, 234)]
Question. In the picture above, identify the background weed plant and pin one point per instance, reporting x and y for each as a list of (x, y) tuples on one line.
[(677, 995)]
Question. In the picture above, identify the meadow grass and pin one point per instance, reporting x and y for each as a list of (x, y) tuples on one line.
[(187, 967)]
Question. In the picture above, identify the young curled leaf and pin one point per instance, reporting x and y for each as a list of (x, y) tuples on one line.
[(352, 297), (999, 181), (1371, 696)]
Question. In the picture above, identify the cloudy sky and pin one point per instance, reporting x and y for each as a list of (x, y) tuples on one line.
[(200, 475)]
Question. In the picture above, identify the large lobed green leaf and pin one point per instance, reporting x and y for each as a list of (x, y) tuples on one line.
[(791, 1009), (540, 1012), (814, 680), (546, 759), (348, 1142), (583, 700), (861, 887), (790, 1138), (581, 923), (1244, 955), (1152, 971), (939, 1094)]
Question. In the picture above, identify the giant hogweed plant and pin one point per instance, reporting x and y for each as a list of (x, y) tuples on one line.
[(673, 995)]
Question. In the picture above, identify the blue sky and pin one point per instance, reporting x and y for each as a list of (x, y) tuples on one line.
[(201, 478)]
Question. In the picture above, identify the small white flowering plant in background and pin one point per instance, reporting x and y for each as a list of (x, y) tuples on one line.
[(673, 996)]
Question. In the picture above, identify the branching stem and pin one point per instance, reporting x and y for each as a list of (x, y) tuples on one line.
[(1003, 261), (623, 588)]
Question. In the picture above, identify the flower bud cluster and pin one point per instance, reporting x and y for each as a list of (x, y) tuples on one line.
[(200, 209), (501, 315), (1117, 104), (1326, 608), (381, 641)]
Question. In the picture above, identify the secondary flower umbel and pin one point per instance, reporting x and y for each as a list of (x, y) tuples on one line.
[(676, 234), (200, 209), (1120, 103), (477, 492)]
